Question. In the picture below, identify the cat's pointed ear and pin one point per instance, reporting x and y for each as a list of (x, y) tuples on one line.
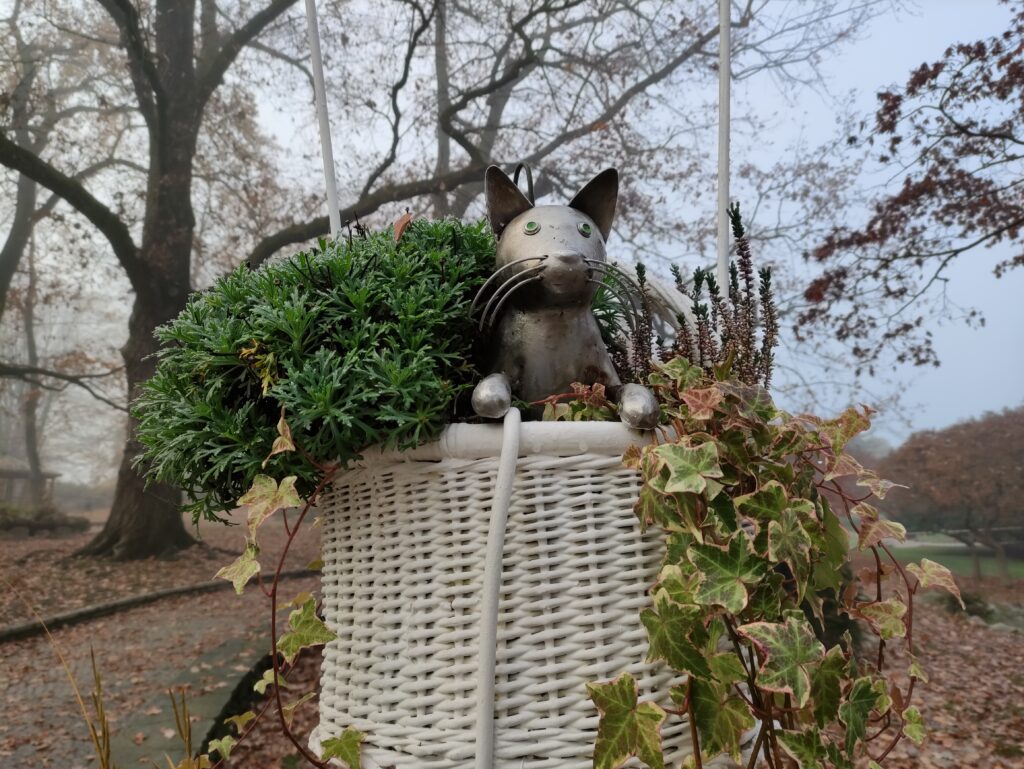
[(505, 201), (597, 200)]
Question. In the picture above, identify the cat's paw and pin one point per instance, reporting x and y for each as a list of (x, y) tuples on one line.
[(638, 408), (492, 397)]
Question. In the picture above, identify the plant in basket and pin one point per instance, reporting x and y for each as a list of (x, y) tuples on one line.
[(756, 528)]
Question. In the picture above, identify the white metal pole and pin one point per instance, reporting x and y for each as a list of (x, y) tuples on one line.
[(724, 77), (316, 60)]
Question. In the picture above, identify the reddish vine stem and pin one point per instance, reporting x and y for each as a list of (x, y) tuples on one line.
[(328, 476), (248, 730), (694, 739), (757, 747)]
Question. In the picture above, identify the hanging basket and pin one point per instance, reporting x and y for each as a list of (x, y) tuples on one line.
[(404, 549)]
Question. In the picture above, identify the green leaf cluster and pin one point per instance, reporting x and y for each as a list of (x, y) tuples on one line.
[(356, 341), (753, 548)]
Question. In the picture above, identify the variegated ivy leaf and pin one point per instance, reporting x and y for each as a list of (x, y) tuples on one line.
[(266, 497), (702, 402), (244, 568), (916, 671), (886, 617), (841, 465), (241, 720), (345, 748), (669, 630), (845, 427), (827, 685), (689, 466), (678, 371), (721, 719), (725, 573), (879, 487), (223, 745), (791, 651), (269, 679), (856, 709), (765, 504), (678, 584), (307, 630), (288, 711), (931, 574), (874, 530), (789, 543), (913, 725), (656, 508), (884, 701), (283, 442), (626, 728), (805, 748), (865, 512)]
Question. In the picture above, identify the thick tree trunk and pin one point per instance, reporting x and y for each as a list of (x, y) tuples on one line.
[(144, 520)]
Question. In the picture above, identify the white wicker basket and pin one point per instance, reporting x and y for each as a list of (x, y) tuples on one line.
[(404, 543)]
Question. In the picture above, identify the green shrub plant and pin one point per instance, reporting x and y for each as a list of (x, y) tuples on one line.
[(359, 341)]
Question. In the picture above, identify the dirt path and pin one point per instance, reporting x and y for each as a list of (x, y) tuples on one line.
[(205, 642)]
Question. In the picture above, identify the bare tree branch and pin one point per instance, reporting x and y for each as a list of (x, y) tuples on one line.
[(78, 197), (297, 233), (211, 76), (142, 63), (37, 376)]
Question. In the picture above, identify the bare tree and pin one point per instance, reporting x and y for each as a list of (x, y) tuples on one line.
[(174, 73)]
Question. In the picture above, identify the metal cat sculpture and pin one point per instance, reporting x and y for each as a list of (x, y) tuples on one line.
[(550, 262)]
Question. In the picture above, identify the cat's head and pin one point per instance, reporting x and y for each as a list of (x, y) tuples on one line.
[(554, 252)]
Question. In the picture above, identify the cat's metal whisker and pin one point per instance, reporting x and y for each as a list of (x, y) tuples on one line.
[(505, 298), (497, 272), (617, 278), (630, 281), (631, 316), (507, 286)]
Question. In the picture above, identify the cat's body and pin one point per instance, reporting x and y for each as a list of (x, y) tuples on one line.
[(550, 261)]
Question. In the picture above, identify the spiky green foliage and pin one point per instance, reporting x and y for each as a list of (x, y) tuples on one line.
[(359, 341)]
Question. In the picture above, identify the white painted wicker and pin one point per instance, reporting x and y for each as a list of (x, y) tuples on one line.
[(404, 540)]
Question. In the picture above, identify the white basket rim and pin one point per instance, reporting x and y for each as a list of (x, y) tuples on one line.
[(556, 439)]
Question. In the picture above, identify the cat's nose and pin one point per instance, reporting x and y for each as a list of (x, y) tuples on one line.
[(570, 258)]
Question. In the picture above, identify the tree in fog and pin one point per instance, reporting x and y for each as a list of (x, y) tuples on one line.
[(429, 95)]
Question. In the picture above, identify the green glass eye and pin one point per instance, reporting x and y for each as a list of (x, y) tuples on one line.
[(531, 228), (585, 229)]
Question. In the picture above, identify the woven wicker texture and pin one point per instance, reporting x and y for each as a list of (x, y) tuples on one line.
[(403, 564)]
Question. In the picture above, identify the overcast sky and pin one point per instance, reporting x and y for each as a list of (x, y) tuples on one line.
[(982, 369)]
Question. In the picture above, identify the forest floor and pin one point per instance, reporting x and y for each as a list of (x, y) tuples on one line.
[(973, 704)]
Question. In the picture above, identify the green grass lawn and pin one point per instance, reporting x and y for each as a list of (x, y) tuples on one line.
[(958, 562)]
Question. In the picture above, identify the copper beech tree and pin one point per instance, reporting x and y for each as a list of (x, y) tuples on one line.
[(966, 480), (951, 138)]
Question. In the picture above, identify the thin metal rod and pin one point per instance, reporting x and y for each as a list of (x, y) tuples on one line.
[(490, 595), (316, 60), (724, 78)]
